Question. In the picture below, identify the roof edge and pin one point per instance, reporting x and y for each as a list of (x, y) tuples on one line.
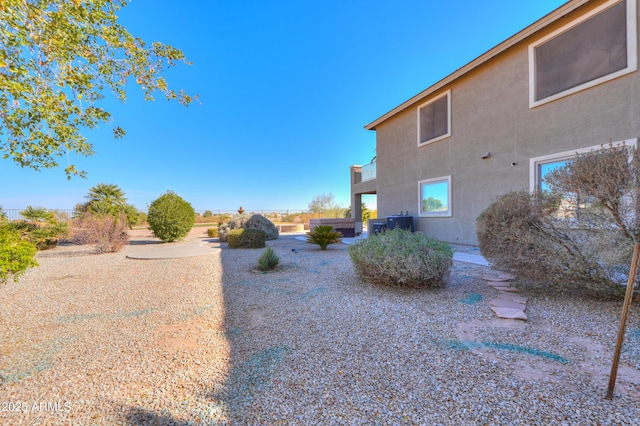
[(541, 23)]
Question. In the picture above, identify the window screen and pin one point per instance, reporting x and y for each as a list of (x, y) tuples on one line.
[(594, 48), (434, 119)]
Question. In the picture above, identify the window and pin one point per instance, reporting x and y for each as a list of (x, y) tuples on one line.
[(540, 166), (434, 119), (435, 197), (595, 48)]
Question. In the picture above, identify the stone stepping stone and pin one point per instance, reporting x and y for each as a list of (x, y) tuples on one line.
[(507, 289), (509, 313), (510, 297), (497, 284), (498, 277), (503, 303)]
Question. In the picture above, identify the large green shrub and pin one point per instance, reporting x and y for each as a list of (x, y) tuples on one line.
[(16, 254), (401, 258), (246, 238), (323, 235), (170, 217)]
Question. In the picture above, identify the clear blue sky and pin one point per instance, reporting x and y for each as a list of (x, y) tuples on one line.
[(285, 89)]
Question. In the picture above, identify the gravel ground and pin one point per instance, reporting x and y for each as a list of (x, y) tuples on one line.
[(101, 339)]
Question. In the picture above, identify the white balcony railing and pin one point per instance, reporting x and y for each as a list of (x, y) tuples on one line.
[(369, 171)]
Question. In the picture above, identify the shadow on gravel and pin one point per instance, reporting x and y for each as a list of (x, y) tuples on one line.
[(139, 416), (252, 360), (143, 242)]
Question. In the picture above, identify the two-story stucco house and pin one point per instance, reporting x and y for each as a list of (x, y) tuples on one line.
[(568, 82)]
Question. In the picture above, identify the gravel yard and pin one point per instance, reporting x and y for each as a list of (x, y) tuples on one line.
[(102, 339)]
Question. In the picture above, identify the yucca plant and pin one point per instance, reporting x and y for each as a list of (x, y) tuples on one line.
[(268, 260), (323, 235)]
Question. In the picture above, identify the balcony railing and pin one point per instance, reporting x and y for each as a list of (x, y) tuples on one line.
[(369, 171)]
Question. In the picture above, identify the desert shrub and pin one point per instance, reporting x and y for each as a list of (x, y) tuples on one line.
[(268, 260), (170, 217), (207, 213), (246, 238), (106, 233), (524, 233), (249, 221), (212, 232), (401, 258), (323, 235), (40, 227), (16, 254)]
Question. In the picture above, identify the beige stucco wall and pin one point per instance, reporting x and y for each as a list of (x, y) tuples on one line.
[(490, 112)]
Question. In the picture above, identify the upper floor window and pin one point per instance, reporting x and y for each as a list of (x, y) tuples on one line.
[(434, 119), (595, 48)]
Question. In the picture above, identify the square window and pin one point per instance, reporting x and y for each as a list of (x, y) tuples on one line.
[(435, 197), (434, 119)]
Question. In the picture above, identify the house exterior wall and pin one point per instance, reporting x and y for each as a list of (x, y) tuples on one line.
[(490, 112)]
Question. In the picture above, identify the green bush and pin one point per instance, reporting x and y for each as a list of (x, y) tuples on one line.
[(16, 255), (41, 228), (170, 217), (401, 258), (246, 238), (268, 260), (212, 232), (323, 235)]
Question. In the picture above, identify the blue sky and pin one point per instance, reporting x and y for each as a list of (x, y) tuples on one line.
[(285, 90)]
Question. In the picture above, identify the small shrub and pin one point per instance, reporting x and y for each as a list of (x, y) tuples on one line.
[(247, 238), (323, 235), (212, 232), (16, 255), (106, 233), (268, 260), (170, 217), (401, 258), (44, 235)]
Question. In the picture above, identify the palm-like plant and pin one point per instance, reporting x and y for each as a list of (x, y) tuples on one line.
[(107, 194), (323, 235), (37, 215), (107, 199)]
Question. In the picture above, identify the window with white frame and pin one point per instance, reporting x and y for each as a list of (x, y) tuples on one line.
[(435, 197), (434, 119), (540, 166), (597, 47)]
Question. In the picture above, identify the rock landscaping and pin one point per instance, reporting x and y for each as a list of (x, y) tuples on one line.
[(103, 339)]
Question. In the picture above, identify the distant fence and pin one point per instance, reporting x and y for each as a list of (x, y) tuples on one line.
[(65, 215)]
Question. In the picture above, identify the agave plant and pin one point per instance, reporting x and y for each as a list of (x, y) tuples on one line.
[(268, 260), (323, 235)]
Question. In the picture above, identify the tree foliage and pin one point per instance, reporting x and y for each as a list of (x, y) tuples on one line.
[(106, 199), (366, 213), (326, 205), (58, 58)]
